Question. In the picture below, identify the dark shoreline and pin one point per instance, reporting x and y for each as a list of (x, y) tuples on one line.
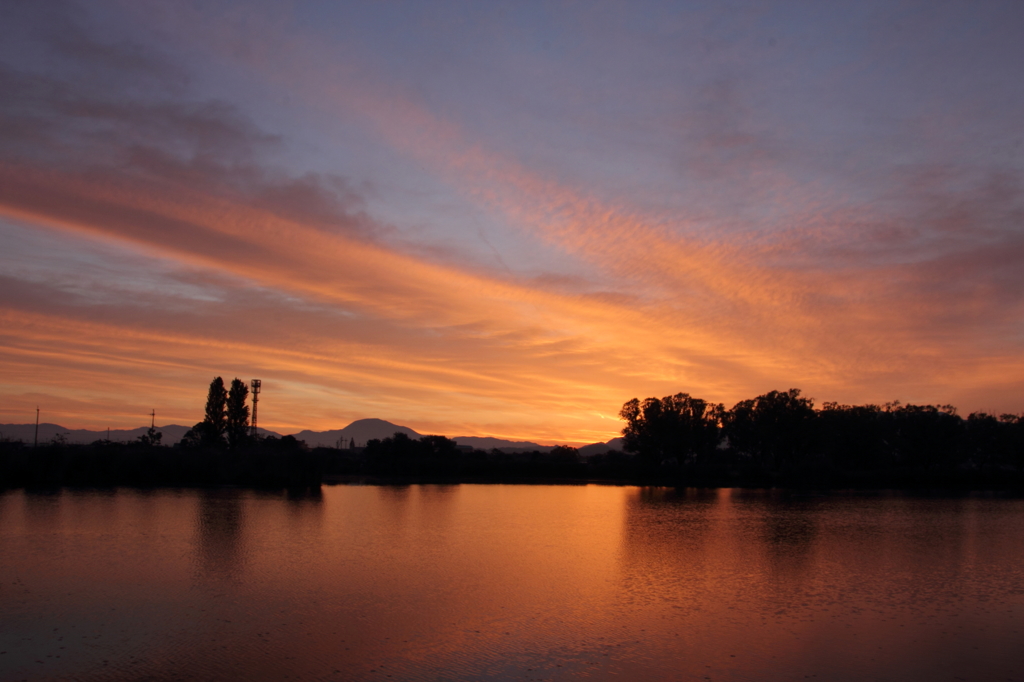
[(963, 485), (289, 465), (316, 492)]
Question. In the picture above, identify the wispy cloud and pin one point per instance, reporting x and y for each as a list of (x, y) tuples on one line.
[(215, 246)]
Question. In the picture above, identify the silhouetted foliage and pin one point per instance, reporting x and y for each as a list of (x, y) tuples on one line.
[(270, 463), (675, 429), (779, 437), (565, 454), (854, 435), (774, 439), (151, 437), (237, 414), (400, 454), (982, 442), (923, 435), (1012, 444), (215, 422), (774, 429), (202, 435)]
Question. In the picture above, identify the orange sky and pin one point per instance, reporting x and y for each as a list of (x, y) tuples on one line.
[(503, 225)]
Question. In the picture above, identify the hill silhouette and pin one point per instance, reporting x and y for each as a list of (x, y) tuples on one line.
[(172, 433), (48, 432), (510, 446), (362, 430), (602, 448)]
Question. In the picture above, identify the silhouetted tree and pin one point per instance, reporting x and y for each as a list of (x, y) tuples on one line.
[(438, 447), (216, 404), (151, 438), (775, 428), (1013, 439), (237, 414), (853, 436), (982, 440), (564, 453), (925, 435), (193, 438), (677, 426), (401, 454), (211, 429)]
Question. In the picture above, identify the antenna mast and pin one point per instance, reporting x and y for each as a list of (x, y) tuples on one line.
[(256, 384)]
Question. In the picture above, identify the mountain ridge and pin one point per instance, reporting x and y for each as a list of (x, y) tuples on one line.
[(361, 431)]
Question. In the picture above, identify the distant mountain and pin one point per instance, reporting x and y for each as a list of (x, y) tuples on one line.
[(367, 429), (172, 433), (510, 446), (601, 448), (361, 430)]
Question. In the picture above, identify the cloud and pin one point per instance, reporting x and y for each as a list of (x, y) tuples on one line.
[(224, 258), (895, 309), (130, 119)]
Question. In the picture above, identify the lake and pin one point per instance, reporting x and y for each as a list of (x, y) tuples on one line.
[(506, 582)]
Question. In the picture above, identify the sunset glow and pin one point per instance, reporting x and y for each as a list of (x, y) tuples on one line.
[(507, 219)]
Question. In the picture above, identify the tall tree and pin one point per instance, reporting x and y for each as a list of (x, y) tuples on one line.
[(237, 413), (216, 420)]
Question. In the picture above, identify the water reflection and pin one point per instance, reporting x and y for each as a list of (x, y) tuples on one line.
[(42, 511), (395, 503), (219, 525), (789, 528), (509, 582)]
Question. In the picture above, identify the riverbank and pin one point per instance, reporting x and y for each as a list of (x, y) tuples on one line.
[(288, 464)]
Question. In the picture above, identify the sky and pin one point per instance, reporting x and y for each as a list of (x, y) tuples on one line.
[(507, 218)]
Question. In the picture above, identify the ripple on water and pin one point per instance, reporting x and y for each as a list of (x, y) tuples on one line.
[(509, 582)]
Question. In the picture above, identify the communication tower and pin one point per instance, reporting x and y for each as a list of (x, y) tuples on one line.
[(256, 383)]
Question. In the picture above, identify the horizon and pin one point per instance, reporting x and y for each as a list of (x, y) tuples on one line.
[(297, 432), (511, 441), (507, 220)]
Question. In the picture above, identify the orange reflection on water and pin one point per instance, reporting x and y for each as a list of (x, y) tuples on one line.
[(508, 582)]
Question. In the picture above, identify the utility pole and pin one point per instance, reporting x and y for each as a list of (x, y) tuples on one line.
[(36, 445), (152, 423)]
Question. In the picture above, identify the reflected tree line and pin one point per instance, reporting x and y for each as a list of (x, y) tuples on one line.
[(778, 438)]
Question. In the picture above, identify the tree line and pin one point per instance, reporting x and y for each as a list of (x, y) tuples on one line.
[(219, 450), (781, 434), (778, 438)]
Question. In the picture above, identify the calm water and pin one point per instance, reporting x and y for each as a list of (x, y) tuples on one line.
[(511, 583)]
